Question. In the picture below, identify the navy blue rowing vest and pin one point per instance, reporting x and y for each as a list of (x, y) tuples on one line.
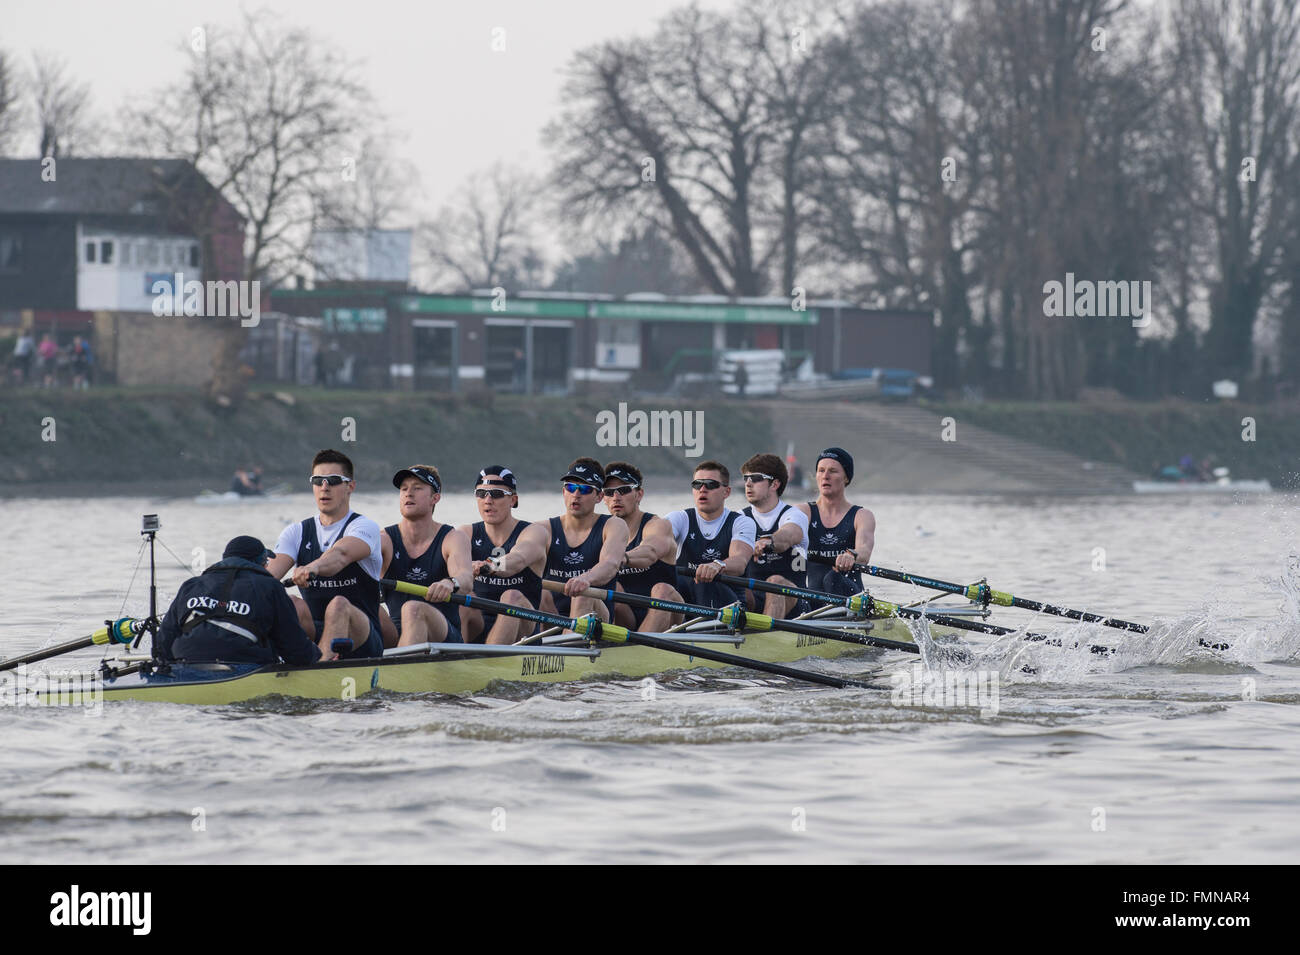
[(564, 562), (352, 582), (696, 550), (642, 580), (493, 586), (429, 567), (830, 542), (773, 564)]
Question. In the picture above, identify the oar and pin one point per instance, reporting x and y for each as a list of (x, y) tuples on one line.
[(116, 631), (594, 629), (868, 605), (737, 618), (984, 594)]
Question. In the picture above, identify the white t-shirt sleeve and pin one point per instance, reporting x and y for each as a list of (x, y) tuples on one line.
[(290, 540), (680, 523), (364, 529), (744, 530), (796, 516)]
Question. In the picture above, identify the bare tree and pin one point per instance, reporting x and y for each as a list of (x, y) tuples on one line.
[(635, 259), (487, 236), (379, 196), (274, 119), (693, 130), (1239, 88), (903, 165), (10, 102), (61, 105)]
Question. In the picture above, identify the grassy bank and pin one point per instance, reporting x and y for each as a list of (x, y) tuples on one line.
[(1141, 435), (127, 435)]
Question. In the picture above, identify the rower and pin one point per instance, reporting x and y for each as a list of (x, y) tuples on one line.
[(712, 539), (339, 560), (837, 530), (234, 612), (509, 557), (781, 547), (649, 566), (586, 549), (419, 550)]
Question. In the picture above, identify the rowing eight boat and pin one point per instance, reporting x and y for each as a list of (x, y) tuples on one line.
[(469, 668)]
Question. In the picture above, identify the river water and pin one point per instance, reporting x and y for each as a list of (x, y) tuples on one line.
[(1163, 752)]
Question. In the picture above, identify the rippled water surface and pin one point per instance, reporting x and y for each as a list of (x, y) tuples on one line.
[(1163, 752)]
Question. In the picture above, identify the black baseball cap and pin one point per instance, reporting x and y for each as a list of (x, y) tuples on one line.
[(420, 474), (627, 477), (249, 548), (582, 474), (499, 475)]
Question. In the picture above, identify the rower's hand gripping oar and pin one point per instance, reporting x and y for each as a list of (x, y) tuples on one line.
[(737, 618), (594, 629), (982, 593), (123, 630)]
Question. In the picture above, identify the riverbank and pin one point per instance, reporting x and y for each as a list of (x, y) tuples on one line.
[(1254, 441), (177, 443), (171, 443)]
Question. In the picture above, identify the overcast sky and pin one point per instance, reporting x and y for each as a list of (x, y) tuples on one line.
[(430, 66)]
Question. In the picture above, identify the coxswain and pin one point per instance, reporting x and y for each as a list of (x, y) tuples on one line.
[(711, 539), (509, 558), (234, 612), (837, 529), (585, 549), (338, 559), (419, 550), (781, 545), (649, 565)]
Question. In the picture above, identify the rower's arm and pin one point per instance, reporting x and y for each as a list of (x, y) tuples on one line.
[(786, 536), (386, 546), (865, 525), (530, 547), (455, 551), (657, 543), (738, 558), (279, 565), (346, 550), (611, 552)]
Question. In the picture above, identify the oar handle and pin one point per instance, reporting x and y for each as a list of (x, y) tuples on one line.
[(122, 630), (595, 629)]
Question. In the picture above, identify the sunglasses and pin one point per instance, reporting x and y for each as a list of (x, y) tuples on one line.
[(333, 480), (709, 485), (755, 478), (495, 493), (580, 489), (621, 491)]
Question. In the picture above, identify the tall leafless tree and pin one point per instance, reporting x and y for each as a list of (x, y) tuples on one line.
[(1238, 92), (274, 119), (701, 129), (487, 236), (62, 108), (10, 102)]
